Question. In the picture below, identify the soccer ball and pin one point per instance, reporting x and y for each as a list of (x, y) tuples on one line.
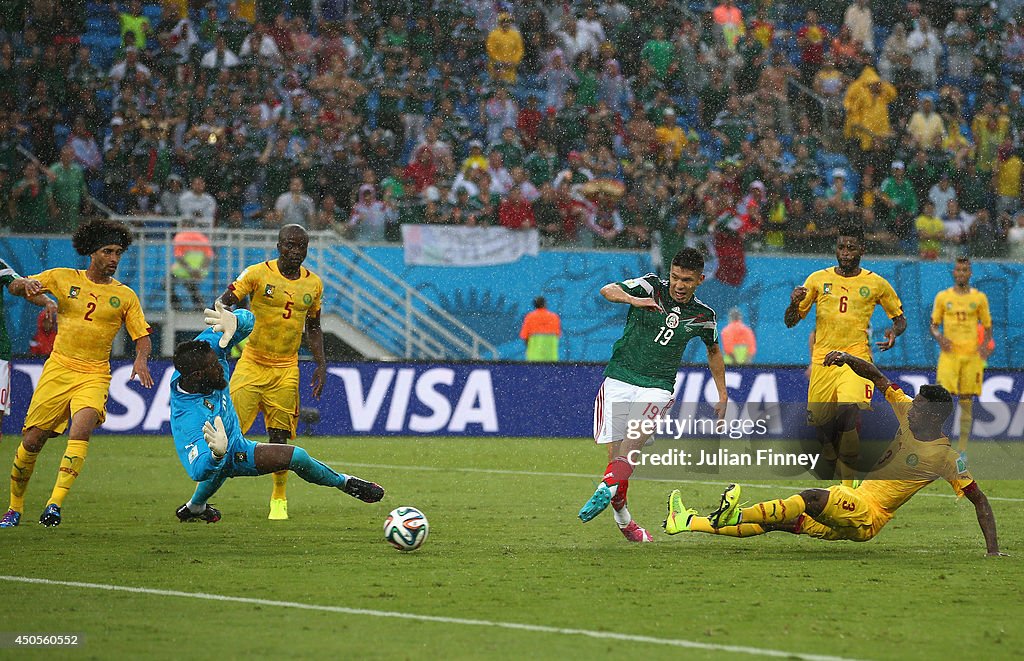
[(406, 528)]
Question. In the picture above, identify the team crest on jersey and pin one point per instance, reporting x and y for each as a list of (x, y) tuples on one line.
[(74, 292), (912, 460), (239, 457), (973, 306), (115, 302), (826, 288), (307, 299), (208, 404), (865, 292), (269, 291), (949, 305), (672, 320)]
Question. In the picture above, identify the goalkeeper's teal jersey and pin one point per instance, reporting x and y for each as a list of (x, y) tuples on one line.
[(650, 349)]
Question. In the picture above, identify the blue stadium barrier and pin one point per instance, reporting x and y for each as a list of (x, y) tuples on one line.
[(492, 300)]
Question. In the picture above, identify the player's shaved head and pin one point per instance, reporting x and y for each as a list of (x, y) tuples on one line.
[(292, 244), (291, 231)]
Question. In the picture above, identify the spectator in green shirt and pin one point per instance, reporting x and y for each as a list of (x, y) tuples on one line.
[(899, 196), (542, 165), (31, 201), (658, 52), (510, 149), (68, 190), (586, 81)]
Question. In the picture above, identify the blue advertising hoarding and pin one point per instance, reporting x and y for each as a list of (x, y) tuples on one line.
[(499, 399)]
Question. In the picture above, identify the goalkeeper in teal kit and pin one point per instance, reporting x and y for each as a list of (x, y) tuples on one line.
[(206, 431)]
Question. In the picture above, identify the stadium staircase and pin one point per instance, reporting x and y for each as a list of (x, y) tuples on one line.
[(366, 306)]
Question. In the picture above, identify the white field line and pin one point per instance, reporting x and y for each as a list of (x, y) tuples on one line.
[(342, 465), (515, 626)]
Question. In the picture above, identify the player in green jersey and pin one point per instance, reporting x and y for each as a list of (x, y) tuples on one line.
[(664, 315), (32, 289)]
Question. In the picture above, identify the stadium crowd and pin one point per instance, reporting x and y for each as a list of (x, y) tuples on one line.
[(613, 123)]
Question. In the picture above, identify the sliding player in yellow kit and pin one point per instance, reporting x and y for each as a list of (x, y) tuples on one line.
[(845, 296), (919, 455), (91, 308), (285, 297), (959, 310)]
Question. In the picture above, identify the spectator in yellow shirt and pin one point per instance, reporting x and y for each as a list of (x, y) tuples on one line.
[(476, 158), (669, 135), (955, 143), (930, 232), (926, 126), (1006, 178), (505, 50), (867, 110), (247, 10), (990, 128), (176, 9)]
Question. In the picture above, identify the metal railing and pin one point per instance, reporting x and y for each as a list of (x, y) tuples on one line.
[(416, 327), (358, 289), (814, 97)]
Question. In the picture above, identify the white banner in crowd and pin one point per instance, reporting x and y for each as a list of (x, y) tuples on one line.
[(437, 245)]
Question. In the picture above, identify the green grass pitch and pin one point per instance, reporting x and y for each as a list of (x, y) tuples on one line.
[(505, 547)]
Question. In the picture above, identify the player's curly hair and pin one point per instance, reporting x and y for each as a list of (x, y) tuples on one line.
[(95, 234)]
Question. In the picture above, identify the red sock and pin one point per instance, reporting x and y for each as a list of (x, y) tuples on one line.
[(618, 470), (619, 500)]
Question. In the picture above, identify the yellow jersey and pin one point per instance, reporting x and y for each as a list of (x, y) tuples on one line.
[(959, 315), (1008, 177), (844, 309), (88, 317), (674, 136), (909, 464), (280, 306)]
